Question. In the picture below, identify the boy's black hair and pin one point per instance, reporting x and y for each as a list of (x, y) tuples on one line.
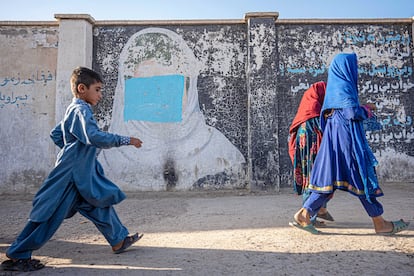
[(85, 76)]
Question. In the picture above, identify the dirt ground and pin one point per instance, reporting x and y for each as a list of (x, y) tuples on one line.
[(226, 233)]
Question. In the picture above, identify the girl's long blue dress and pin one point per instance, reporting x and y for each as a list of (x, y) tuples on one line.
[(345, 160)]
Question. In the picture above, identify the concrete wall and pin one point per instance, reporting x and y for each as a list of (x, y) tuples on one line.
[(244, 80), (27, 103)]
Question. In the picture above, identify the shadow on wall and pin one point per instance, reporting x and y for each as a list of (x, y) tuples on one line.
[(156, 100)]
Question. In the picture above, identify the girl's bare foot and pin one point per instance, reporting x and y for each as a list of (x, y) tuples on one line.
[(322, 211), (302, 217), (381, 225)]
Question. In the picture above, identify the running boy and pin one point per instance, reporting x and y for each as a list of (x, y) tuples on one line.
[(77, 183)]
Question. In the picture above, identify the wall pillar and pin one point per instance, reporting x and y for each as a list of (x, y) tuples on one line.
[(263, 142), (412, 31), (75, 49)]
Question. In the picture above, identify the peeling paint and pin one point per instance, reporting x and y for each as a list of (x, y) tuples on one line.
[(394, 166)]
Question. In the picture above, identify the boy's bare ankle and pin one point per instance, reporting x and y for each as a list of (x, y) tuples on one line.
[(117, 246)]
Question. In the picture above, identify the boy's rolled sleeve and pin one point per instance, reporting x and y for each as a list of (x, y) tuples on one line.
[(125, 140)]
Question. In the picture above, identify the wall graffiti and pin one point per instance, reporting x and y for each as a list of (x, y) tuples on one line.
[(12, 99), (15, 90), (42, 77), (156, 99)]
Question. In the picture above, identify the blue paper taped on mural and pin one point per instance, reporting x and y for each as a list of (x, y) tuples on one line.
[(154, 99)]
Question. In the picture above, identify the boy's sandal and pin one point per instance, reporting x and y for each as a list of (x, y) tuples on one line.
[(397, 226), (128, 241), (22, 265)]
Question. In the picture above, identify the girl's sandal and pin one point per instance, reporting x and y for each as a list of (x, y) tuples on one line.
[(325, 216), (128, 241), (318, 223), (397, 226), (308, 228)]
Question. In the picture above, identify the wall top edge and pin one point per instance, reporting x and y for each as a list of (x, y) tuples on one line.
[(346, 21), (243, 21), (170, 22), (86, 17), (29, 23), (275, 15), (204, 21)]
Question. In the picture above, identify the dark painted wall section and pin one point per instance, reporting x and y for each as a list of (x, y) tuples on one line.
[(385, 77), (229, 103), (222, 88), (253, 76), (263, 104)]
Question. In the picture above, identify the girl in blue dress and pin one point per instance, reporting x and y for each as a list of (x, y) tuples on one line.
[(345, 160)]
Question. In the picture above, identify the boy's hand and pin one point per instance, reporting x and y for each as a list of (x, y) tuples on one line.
[(135, 142)]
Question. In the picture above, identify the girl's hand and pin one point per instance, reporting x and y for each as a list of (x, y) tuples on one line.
[(371, 106)]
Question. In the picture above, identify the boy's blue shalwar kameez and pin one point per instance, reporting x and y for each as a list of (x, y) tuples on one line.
[(76, 184), (345, 160)]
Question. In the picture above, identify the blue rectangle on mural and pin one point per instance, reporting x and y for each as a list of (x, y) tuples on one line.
[(154, 99)]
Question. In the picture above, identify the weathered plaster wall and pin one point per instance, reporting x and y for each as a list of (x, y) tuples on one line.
[(263, 109), (250, 76), (27, 105)]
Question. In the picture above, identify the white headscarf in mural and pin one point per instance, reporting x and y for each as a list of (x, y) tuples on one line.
[(178, 147)]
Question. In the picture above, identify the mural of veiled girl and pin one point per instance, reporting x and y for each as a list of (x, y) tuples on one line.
[(156, 99)]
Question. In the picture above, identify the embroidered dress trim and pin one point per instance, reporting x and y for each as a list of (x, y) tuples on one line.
[(342, 185)]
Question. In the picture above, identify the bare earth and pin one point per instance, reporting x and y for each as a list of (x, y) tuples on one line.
[(226, 233)]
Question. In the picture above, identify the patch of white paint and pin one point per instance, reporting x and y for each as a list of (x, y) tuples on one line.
[(394, 166), (260, 49), (218, 52), (107, 63), (44, 41)]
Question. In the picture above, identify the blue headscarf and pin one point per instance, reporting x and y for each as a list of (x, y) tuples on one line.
[(342, 92), (342, 87)]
